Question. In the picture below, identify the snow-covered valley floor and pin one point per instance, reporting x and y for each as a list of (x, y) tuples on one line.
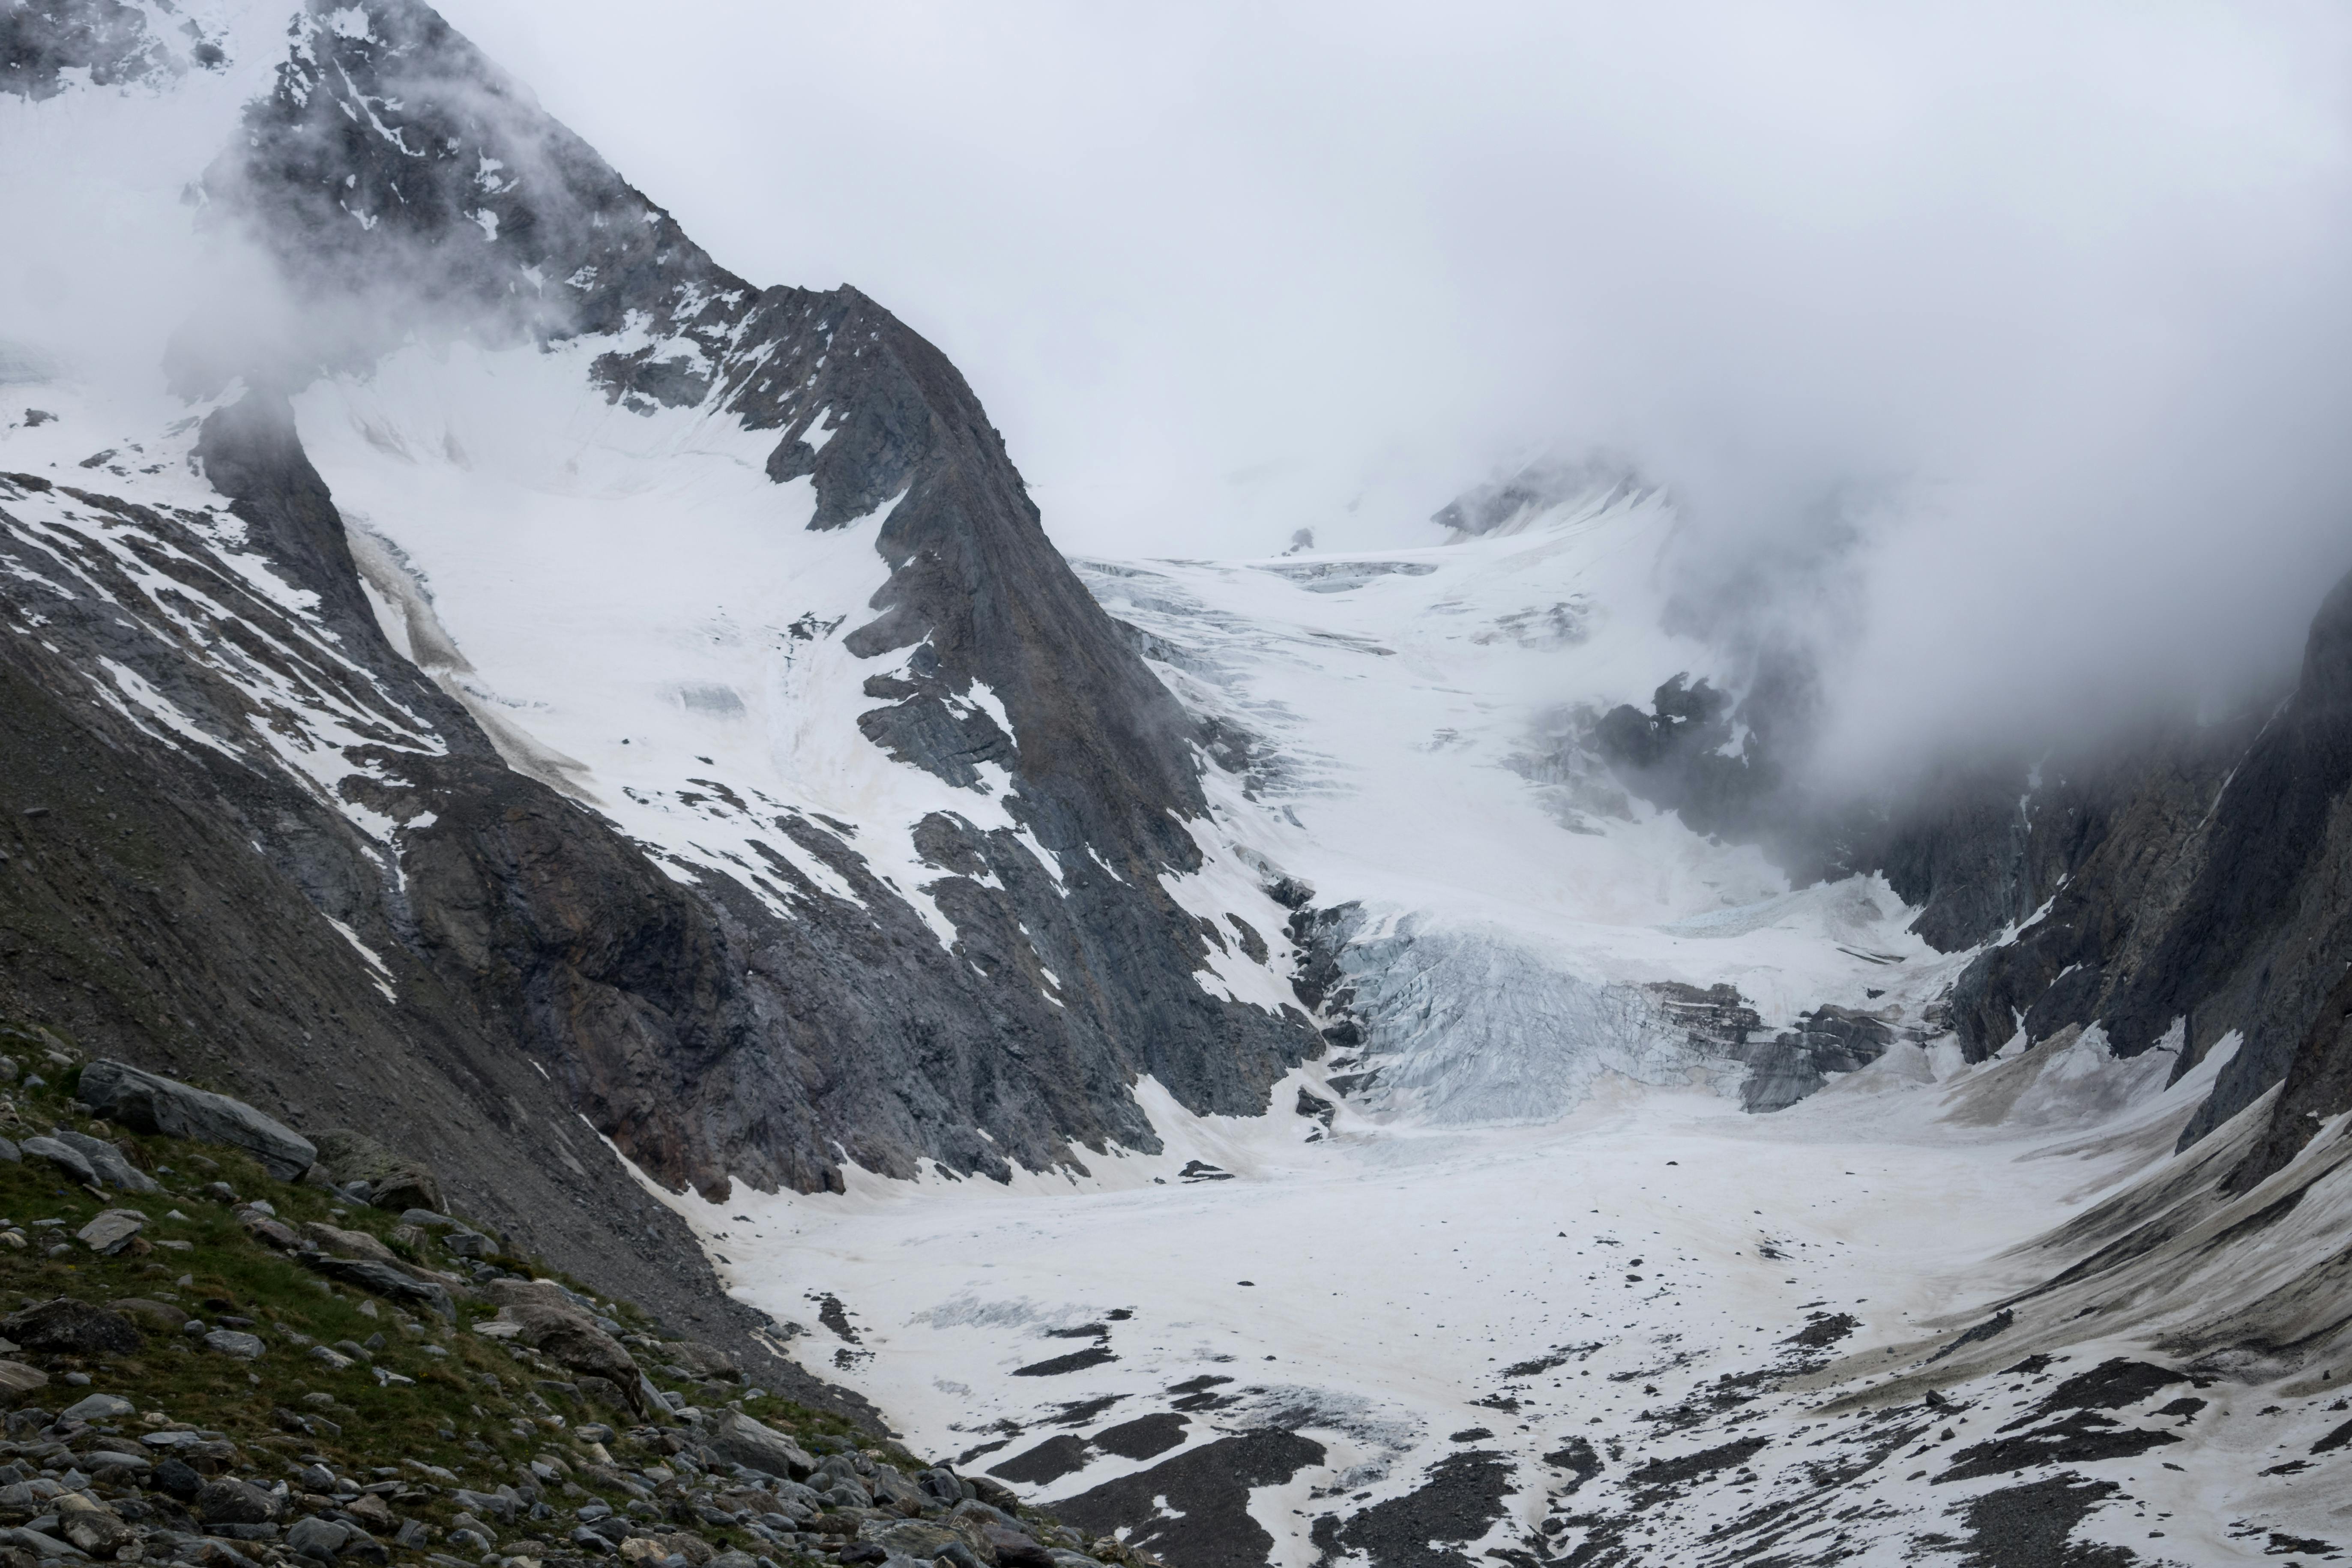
[(1458, 1323)]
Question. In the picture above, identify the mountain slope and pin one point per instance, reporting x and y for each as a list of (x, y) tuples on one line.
[(916, 909)]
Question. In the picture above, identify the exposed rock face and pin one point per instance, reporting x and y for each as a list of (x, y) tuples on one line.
[(43, 41), (2213, 897), (2187, 884), (1795, 1063), (412, 931)]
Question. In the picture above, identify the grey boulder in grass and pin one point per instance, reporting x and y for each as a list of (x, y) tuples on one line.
[(149, 1103), (747, 1442)]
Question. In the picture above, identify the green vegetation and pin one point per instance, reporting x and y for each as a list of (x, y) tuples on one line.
[(370, 1389)]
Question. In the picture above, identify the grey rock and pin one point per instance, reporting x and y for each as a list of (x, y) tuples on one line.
[(385, 1279), (177, 1477), (97, 1531), (112, 1231), (320, 1538), (148, 1103), (231, 1502), (500, 1506), (232, 1342), (914, 1538), (68, 1327), (10, 1152), (394, 1181), (746, 1441), (469, 1244), (103, 1464), (98, 1407), (17, 1381), (108, 1161), (48, 1547), (891, 1488), (64, 1157)]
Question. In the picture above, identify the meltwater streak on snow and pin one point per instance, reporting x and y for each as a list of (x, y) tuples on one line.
[(639, 614)]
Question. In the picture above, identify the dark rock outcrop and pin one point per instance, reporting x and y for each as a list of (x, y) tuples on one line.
[(2177, 885)]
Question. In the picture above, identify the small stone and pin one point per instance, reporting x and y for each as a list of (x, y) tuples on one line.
[(231, 1342)]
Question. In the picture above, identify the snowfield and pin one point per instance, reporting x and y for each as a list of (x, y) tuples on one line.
[(1406, 1298), (1539, 1288)]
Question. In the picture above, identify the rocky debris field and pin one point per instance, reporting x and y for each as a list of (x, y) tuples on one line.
[(208, 1363)]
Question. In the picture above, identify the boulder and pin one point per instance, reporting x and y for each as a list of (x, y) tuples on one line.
[(1016, 1549), (319, 1538), (910, 1537), (385, 1279), (740, 1438), (270, 1231), (231, 1502), (113, 1231), (177, 1477), (547, 1321), (47, 1547), (112, 1167), (17, 1381), (471, 1243), (95, 1531), (703, 1361), (155, 1314), (64, 1156), (67, 1327), (501, 1506), (349, 1242), (98, 1407), (231, 1342), (394, 1181), (892, 1488), (148, 1103)]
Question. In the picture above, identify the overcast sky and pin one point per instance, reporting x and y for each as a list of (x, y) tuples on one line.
[(2046, 305), (2010, 339)]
